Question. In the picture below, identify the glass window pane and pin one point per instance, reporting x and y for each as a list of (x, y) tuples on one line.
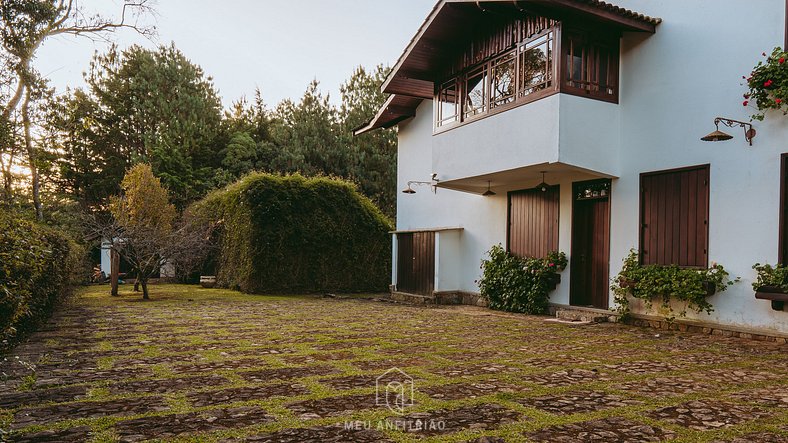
[(536, 65), (448, 104), (502, 84), (476, 94)]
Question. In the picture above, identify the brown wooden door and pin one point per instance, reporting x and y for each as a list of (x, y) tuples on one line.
[(590, 256), (416, 263)]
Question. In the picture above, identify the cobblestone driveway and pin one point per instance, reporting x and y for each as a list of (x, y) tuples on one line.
[(211, 365)]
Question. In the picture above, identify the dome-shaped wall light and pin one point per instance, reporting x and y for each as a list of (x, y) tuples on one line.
[(433, 183), (716, 136), (543, 186), (488, 192)]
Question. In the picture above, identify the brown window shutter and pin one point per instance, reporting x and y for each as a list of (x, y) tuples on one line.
[(674, 208)]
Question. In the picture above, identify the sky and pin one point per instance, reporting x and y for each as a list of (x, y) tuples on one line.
[(278, 46)]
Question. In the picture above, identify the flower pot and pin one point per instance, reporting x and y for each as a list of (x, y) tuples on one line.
[(208, 281), (776, 294), (553, 281), (711, 288)]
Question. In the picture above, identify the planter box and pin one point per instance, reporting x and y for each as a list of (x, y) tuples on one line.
[(711, 288), (554, 281), (207, 281), (773, 293)]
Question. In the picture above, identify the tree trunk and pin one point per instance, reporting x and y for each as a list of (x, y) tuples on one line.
[(144, 284), (114, 271), (137, 282), (32, 156)]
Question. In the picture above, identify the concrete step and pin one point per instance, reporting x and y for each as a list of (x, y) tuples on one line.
[(413, 299), (584, 315)]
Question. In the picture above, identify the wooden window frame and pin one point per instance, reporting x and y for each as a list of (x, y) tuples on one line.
[(461, 80), (559, 34), (641, 220), (783, 238), (442, 121), (595, 39)]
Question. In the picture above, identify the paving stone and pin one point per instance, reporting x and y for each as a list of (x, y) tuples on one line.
[(71, 435), (247, 363), (736, 376), (473, 370), (72, 378), (233, 395), (321, 434), (458, 391), (706, 415), (388, 363), (577, 402), (757, 437), (167, 385), (487, 440), (447, 421), (16, 399), (333, 406), (266, 375), (664, 387), (771, 397), (322, 357), (565, 378), (70, 411), (169, 426), (614, 429), (642, 367)]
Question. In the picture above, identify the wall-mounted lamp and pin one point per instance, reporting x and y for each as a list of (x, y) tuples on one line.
[(433, 182), (489, 191), (716, 136), (543, 186)]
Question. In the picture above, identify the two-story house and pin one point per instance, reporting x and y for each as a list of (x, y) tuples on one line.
[(576, 125)]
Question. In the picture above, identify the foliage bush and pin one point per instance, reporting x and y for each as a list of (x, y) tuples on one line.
[(768, 275), (288, 234), (768, 84), (515, 284), (650, 282), (39, 266)]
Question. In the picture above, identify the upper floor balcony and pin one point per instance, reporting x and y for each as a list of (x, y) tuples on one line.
[(515, 83)]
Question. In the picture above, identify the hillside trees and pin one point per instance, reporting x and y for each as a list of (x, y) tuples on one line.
[(141, 106), (26, 25), (156, 106)]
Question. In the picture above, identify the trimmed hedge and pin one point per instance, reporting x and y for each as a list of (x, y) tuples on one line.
[(39, 266), (288, 234)]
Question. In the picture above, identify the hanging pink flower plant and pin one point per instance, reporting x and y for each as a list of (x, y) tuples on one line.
[(768, 83)]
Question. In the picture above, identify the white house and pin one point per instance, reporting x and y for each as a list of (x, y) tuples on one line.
[(607, 105)]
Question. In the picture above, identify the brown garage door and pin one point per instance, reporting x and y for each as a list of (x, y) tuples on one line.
[(416, 262)]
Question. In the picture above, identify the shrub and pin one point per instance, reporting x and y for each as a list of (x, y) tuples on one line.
[(287, 234), (515, 284), (38, 268), (768, 275), (689, 285)]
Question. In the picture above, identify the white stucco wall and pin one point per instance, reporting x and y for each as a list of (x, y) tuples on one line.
[(673, 84), (483, 218)]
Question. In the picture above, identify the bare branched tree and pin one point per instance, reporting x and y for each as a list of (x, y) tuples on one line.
[(26, 25), (184, 249), (145, 230)]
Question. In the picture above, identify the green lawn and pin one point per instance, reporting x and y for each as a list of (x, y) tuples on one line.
[(197, 364)]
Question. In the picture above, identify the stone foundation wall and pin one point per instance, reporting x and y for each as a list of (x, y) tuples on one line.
[(712, 329), (460, 298)]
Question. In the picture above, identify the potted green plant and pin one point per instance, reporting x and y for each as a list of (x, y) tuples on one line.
[(768, 84), (771, 284), (666, 283)]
